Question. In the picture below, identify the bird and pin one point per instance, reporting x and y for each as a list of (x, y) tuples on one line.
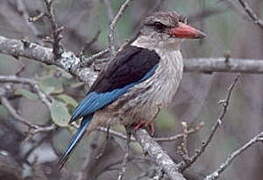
[(139, 81)]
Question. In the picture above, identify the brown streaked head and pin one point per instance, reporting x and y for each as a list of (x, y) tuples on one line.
[(170, 24)]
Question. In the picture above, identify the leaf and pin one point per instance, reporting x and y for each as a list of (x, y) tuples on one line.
[(59, 113), (68, 100), (26, 93), (50, 84), (47, 89)]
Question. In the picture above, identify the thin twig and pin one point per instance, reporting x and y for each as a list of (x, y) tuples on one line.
[(113, 25), (83, 171), (125, 157), (36, 145), (251, 13), (88, 61), (12, 111), (22, 9), (42, 96), (233, 155), (34, 129), (158, 139), (56, 30), (183, 147), (225, 104)]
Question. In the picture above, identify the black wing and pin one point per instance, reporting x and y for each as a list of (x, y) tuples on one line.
[(129, 66)]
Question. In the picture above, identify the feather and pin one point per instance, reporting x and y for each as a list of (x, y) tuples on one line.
[(75, 140)]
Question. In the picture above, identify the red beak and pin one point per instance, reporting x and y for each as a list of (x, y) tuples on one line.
[(186, 31)]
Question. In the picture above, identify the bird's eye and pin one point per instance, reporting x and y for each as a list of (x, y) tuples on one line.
[(183, 19), (159, 26)]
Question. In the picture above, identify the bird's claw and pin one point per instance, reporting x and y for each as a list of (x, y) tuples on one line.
[(149, 125)]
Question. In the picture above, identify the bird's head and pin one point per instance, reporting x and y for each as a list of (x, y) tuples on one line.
[(167, 29)]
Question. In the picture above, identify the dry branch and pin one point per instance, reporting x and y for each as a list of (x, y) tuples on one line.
[(56, 30), (34, 129), (233, 155), (158, 139), (42, 96), (156, 153), (72, 64), (225, 104), (220, 64), (251, 14), (68, 60), (22, 9), (113, 24), (5, 90)]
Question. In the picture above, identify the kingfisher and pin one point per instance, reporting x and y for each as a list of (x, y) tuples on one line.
[(141, 79)]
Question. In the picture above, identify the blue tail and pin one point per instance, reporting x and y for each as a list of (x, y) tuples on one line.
[(75, 140)]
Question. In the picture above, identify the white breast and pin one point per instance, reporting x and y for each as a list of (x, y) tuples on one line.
[(163, 85)]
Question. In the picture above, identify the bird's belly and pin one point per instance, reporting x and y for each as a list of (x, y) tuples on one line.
[(144, 101)]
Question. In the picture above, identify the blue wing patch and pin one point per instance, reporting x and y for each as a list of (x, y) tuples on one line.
[(75, 139), (95, 101)]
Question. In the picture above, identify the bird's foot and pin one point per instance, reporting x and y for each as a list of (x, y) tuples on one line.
[(149, 125)]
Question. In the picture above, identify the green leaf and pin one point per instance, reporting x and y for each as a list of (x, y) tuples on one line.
[(47, 89), (50, 84), (68, 100), (59, 113), (26, 93)]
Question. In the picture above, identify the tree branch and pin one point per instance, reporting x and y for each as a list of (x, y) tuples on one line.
[(6, 89), (72, 64), (42, 96), (233, 155), (225, 103), (158, 139), (222, 64), (156, 153), (113, 24), (251, 14), (56, 30), (68, 60), (22, 9), (34, 129)]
